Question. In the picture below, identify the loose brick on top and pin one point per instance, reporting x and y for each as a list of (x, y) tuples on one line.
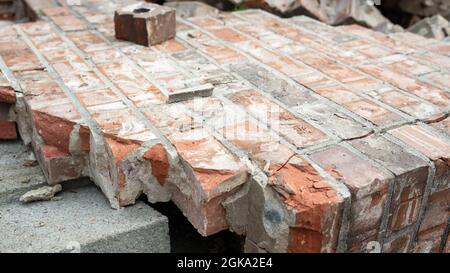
[(411, 175), (369, 187), (316, 204)]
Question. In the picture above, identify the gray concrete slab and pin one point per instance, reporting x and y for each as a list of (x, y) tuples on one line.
[(15, 178), (82, 221)]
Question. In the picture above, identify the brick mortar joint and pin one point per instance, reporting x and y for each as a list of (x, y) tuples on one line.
[(385, 106), (291, 81), (428, 186), (287, 79), (114, 88)]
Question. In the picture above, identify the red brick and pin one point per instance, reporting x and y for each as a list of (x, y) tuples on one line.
[(316, 204), (8, 130), (432, 145), (359, 105), (68, 22), (159, 162), (416, 87), (447, 245), (411, 177), (18, 56), (410, 105), (59, 166), (213, 172), (397, 245), (296, 130), (434, 223), (368, 185), (7, 95)]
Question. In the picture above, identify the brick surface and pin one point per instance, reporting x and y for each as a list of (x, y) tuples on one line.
[(411, 177), (369, 186), (300, 136)]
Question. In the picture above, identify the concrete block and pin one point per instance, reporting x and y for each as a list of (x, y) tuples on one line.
[(82, 221)]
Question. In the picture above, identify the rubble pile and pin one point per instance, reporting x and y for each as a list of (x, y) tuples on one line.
[(300, 136)]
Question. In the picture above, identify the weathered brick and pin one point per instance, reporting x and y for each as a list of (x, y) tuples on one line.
[(297, 186), (409, 104), (7, 95), (7, 130), (369, 187), (18, 56), (434, 223), (414, 86), (295, 130), (398, 245), (432, 145), (359, 105), (212, 172), (411, 174)]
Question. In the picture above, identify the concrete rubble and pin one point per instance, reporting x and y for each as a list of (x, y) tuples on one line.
[(187, 9), (436, 27), (332, 12), (45, 193), (311, 138)]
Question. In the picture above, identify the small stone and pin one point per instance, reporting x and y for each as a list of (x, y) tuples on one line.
[(42, 194)]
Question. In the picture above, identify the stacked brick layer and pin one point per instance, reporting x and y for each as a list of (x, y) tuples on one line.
[(7, 100), (315, 139)]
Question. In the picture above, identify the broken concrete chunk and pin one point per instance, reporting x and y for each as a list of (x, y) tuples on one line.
[(204, 90), (42, 194), (186, 9), (436, 27), (145, 24)]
